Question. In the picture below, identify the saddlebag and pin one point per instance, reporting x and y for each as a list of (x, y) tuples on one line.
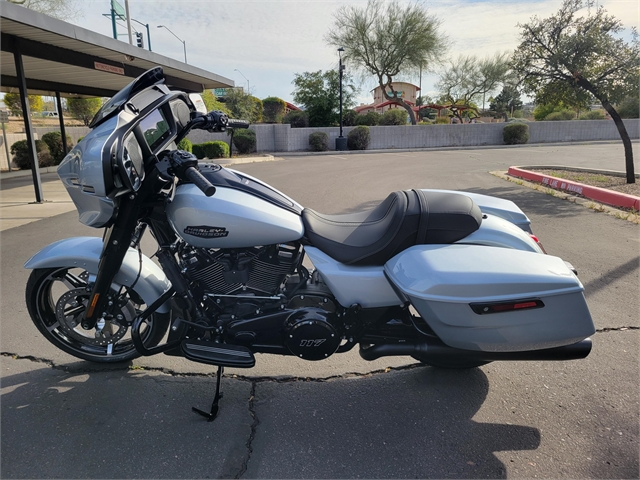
[(492, 299)]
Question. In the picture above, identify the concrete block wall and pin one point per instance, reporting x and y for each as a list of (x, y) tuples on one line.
[(74, 132), (580, 130), (282, 138)]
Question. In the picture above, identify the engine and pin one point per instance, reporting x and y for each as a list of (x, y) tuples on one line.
[(311, 333), (257, 271)]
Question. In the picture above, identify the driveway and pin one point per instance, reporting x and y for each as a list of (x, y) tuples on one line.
[(345, 417)]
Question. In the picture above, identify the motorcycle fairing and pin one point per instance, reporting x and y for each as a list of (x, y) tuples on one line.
[(442, 281), (84, 252)]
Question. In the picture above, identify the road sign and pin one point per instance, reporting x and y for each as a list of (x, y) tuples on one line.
[(219, 92), (4, 116), (118, 9)]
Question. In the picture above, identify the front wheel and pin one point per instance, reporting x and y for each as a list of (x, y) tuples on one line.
[(57, 299)]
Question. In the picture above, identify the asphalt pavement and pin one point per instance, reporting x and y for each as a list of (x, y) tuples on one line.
[(342, 417)]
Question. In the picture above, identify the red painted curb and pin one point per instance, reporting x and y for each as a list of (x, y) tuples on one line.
[(601, 195)]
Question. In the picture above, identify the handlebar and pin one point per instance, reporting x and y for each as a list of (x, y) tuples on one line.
[(183, 165), (199, 181)]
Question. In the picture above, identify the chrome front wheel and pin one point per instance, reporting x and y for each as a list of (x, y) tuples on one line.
[(57, 299)]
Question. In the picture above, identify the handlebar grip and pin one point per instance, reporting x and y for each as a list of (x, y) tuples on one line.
[(200, 181), (233, 123)]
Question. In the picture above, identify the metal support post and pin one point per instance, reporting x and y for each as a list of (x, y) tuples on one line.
[(63, 132)]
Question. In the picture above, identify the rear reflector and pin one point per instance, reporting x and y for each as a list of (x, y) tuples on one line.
[(486, 308)]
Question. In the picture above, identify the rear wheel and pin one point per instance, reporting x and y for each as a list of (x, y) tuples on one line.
[(57, 299)]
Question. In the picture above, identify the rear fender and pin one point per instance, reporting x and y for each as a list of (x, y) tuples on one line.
[(84, 252)]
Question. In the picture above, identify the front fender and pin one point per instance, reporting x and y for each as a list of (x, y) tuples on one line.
[(84, 252)]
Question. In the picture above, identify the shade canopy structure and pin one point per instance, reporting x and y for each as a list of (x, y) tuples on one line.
[(41, 55)]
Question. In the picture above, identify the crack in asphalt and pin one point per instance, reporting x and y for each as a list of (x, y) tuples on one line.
[(252, 435), (254, 382), (168, 371), (243, 378)]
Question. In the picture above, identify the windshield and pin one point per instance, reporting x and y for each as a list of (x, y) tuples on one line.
[(147, 79)]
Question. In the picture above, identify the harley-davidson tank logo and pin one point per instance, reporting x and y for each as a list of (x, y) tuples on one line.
[(205, 231)]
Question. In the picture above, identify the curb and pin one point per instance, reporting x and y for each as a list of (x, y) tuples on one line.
[(585, 202), (601, 195)]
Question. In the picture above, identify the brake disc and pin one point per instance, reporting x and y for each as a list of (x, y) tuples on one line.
[(70, 310)]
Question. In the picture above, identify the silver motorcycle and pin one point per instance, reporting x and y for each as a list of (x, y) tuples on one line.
[(452, 279)]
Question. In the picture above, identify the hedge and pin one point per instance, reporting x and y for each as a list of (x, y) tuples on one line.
[(515, 133), (244, 140), (394, 116), (319, 141), (359, 138), (186, 145), (54, 142), (20, 152), (215, 149), (297, 119)]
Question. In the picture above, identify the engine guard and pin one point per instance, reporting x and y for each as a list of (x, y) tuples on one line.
[(84, 252)]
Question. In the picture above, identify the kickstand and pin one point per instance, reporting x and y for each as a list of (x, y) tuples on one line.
[(214, 406)]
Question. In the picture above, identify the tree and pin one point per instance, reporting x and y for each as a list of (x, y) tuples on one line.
[(319, 94), (469, 79), (13, 103), (273, 109), (243, 106), (565, 95), (212, 103), (581, 52), (387, 40), (61, 9), (84, 108), (507, 101)]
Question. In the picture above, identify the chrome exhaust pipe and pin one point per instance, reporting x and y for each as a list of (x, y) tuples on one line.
[(436, 350)]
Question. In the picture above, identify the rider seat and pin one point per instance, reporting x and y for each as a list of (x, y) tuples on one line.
[(403, 219)]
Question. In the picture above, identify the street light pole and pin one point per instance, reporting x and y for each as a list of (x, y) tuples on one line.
[(248, 86), (341, 142), (184, 43)]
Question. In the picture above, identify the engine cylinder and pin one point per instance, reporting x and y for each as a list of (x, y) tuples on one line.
[(310, 334)]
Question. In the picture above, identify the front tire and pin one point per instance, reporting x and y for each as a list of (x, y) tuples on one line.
[(56, 300)]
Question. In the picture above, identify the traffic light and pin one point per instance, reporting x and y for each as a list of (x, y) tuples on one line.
[(139, 40)]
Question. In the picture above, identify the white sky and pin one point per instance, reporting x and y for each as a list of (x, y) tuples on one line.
[(271, 40)]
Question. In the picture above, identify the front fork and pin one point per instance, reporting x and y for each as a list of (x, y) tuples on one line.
[(116, 243)]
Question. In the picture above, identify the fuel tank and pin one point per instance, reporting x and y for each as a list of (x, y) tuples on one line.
[(243, 212)]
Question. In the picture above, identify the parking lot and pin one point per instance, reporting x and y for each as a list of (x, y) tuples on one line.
[(344, 417)]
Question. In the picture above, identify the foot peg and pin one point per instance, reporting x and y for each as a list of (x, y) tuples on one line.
[(219, 354)]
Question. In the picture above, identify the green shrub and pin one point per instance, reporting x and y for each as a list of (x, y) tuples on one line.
[(244, 140), (186, 145), (196, 149), (629, 107), (349, 118), (561, 115), (515, 133), (394, 116), (273, 110), (80, 139), (297, 119), (359, 138), (215, 149), (370, 119), (319, 141), (425, 121), (54, 143), (442, 120), (20, 152), (593, 115)]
